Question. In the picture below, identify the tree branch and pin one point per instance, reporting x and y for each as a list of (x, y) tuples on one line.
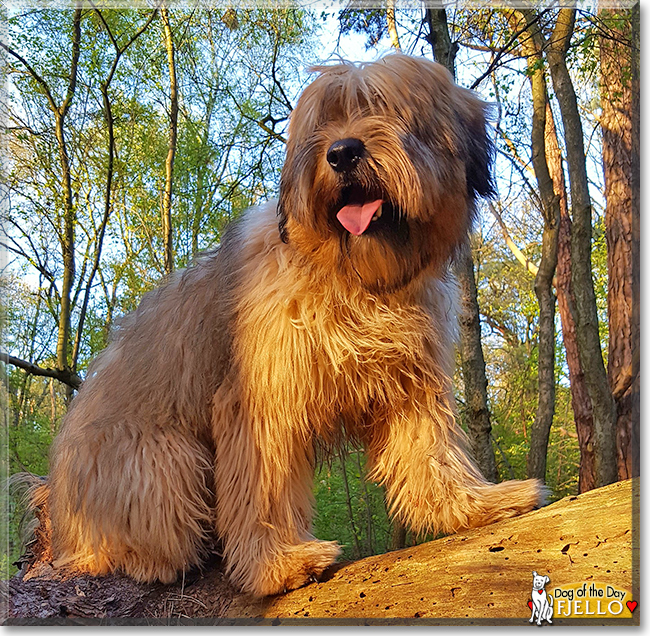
[(62, 375), (76, 51), (33, 73), (265, 128), (518, 254), (504, 49)]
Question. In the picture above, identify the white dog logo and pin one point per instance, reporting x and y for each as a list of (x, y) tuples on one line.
[(542, 602)]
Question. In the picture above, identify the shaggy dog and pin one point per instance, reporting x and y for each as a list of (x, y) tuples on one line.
[(326, 314)]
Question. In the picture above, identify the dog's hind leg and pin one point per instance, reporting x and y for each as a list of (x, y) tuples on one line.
[(263, 483), (420, 453), (131, 498)]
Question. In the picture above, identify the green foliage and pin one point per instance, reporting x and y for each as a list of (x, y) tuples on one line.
[(354, 514)]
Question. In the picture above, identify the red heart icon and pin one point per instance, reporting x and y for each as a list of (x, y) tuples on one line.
[(530, 605), (540, 591), (631, 605)]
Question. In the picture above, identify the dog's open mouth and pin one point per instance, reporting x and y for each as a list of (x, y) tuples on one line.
[(356, 217), (360, 210)]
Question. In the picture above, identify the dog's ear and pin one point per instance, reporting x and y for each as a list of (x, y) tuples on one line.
[(547, 580), (479, 147), (534, 573)]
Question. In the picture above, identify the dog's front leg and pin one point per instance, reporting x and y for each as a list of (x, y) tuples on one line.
[(420, 453), (264, 483)]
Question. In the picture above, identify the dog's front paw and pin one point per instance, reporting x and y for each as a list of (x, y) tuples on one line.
[(298, 565), (509, 499), (307, 561)]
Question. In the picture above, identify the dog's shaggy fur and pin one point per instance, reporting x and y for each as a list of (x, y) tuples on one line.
[(202, 415)]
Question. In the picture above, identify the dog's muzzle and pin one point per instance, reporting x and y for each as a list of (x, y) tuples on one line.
[(356, 215)]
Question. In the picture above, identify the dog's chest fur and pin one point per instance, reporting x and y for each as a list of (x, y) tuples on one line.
[(357, 350)]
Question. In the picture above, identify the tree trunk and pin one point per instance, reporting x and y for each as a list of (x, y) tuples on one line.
[(168, 244), (392, 27), (370, 526), (604, 410), (356, 550), (108, 188), (69, 213), (479, 574), (473, 370), (472, 360), (483, 573), (616, 123), (580, 402), (67, 248), (541, 428), (444, 50), (635, 334), (397, 535)]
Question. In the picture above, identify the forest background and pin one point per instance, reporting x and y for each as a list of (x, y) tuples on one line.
[(132, 136)]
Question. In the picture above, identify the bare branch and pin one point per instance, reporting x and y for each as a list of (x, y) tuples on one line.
[(518, 254), (504, 49), (62, 375), (276, 82), (265, 128), (36, 264), (33, 73)]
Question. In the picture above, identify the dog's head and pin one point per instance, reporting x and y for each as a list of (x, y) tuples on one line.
[(384, 163), (539, 581)]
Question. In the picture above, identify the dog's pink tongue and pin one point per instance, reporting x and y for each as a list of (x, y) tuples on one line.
[(356, 218)]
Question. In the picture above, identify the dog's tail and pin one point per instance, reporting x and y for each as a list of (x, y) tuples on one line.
[(34, 528), (32, 490)]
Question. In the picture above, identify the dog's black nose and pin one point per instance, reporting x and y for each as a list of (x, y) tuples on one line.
[(344, 154)]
